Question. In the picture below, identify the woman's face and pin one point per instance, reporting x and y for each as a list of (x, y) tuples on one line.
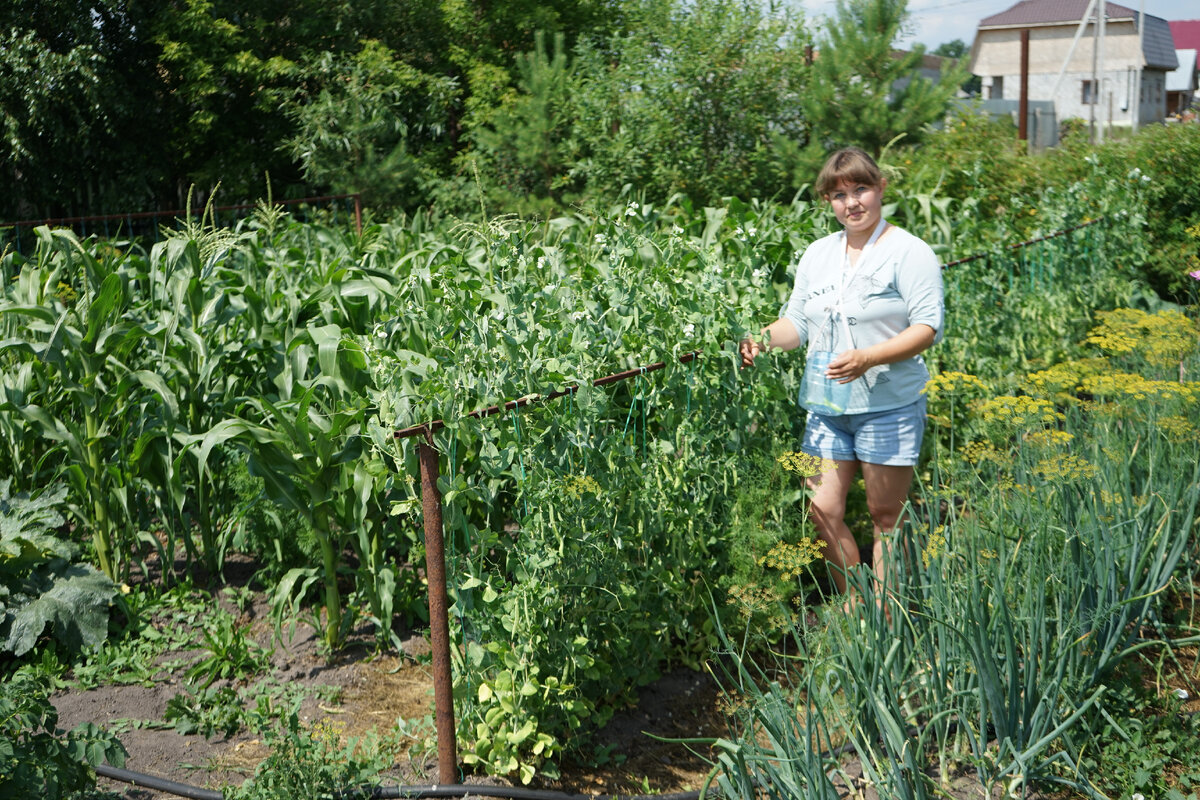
[(857, 206)]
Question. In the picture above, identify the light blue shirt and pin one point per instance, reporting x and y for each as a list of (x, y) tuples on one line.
[(897, 283)]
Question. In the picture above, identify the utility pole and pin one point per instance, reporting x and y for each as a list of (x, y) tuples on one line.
[(1102, 8), (1095, 84), (1136, 100), (1023, 102)]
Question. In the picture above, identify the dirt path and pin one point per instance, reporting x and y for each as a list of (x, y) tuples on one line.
[(359, 693)]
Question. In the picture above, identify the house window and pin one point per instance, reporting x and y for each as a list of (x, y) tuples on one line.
[(1088, 93), (997, 90)]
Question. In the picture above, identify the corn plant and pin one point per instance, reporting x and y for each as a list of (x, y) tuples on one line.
[(91, 389)]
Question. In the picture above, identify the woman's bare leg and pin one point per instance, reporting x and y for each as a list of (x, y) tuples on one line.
[(828, 510), (887, 491)]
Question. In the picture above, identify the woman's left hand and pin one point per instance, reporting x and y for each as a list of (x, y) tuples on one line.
[(851, 364), (848, 366)]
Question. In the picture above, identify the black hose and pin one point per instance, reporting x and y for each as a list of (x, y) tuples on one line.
[(382, 792), (158, 784)]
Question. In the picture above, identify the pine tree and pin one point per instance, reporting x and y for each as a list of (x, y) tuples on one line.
[(862, 91)]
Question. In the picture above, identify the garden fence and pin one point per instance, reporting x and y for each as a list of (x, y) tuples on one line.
[(148, 225)]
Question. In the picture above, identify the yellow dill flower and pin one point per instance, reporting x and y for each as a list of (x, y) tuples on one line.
[(1049, 437), (1018, 411), (754, 600), (1062, 382), (578, 485), (1130, 385), (1163, 338), (327, 732), (982, 452), (950, 383), (935, 546), (1178, 427), (987, 554), (1114, 455), (66, 293), (1007, 484), (791, 559), (1065, 468), (808, 466)]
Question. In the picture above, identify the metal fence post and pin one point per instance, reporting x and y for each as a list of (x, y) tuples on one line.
[(439, 624)]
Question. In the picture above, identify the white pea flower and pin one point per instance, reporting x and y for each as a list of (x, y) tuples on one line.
[(576, 316), (752, 231), (689, 329), (541, 262), (758, 274), (601, 238), (1134, 174), (676, 230), (738, 231)]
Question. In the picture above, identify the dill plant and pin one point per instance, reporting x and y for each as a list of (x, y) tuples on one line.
[(1035, 559)]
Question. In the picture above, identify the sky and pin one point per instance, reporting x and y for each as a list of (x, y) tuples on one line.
[(934, 22)]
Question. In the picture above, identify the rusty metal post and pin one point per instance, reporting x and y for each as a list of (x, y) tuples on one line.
[(358, 212), (439, 625)]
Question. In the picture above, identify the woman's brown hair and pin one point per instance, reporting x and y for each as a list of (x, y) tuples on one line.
[(848, 164)]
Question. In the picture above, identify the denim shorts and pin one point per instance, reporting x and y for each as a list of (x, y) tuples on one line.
[(890, 438)]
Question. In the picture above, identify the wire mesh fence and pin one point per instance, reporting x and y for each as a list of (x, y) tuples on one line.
[(147, 226)]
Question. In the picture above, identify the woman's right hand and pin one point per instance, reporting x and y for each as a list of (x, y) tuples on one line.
[(749, 350)]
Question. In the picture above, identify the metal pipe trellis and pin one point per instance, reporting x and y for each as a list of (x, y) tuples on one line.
[(435, 558)]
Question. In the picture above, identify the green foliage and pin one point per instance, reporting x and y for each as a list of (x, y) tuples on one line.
[(41, 585), (862, 91), (525, 146), (207, 712), (229, 654), (1161, 154), (696, 99), (313, 762), (157, 621), (39, 760), (1146, 744), (368, 122)]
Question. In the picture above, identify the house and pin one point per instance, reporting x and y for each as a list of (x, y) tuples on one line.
[(1183, 84), (1087, 71)]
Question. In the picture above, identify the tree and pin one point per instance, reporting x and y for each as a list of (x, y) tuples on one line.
[(77, 100), (864, 92), (956, 49), (694, 98), (371, 123)]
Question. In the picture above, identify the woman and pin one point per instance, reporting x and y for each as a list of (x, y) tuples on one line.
[(869, 300)]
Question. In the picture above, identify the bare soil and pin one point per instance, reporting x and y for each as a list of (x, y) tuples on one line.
[(372, 692)]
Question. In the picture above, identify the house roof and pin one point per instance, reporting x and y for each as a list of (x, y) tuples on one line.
[(1184, 78), (1158, 47), (1186, 33), (1049, 12)]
